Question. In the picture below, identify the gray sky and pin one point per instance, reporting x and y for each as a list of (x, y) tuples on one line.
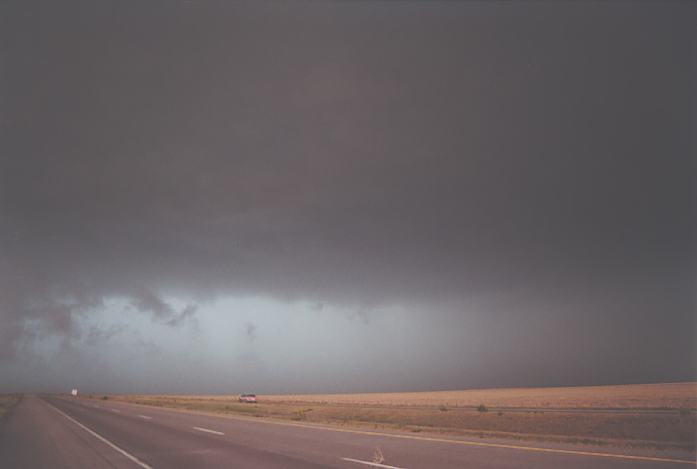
[(346, 196)]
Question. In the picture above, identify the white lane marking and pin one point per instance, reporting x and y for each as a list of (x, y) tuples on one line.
[(208, 431), (434, 439), (145, 417), (101, 438), (374, 464), (116, 410), (445, 440)]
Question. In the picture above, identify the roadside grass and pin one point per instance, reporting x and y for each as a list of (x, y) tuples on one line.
[(676, 429), (7, 401), (665, 396)]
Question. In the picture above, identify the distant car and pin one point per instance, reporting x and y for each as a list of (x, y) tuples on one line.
[(248, 398)]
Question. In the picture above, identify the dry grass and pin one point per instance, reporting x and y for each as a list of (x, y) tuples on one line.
[(7, 401), (633, 396), (652, 415)]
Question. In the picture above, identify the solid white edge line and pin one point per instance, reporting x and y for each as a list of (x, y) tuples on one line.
[(208, 431), (368, 463), (101, 438), (428, 439)]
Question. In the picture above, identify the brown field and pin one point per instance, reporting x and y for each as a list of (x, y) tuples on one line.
[(653, 415), (633, 396)]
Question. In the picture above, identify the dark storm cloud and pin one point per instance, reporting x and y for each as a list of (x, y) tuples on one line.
[(148, 302), (250, 331), (539, 157)]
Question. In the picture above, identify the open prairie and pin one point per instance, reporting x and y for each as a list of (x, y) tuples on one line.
[(655, 415), (634, 396)]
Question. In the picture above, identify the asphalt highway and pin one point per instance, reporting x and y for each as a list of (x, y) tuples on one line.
[(59, 432)]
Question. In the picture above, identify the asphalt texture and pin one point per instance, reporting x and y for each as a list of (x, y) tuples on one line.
[(61, 432)]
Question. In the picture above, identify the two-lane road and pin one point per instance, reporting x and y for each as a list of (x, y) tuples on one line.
[(56, 432)]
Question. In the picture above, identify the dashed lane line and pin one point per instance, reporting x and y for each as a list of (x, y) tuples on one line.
[(370, 463), (101, 438), (207, 430)]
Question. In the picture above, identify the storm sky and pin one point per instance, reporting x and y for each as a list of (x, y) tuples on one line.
[(206, 196)]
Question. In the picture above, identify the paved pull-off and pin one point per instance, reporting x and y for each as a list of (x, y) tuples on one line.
[(59, 433)]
